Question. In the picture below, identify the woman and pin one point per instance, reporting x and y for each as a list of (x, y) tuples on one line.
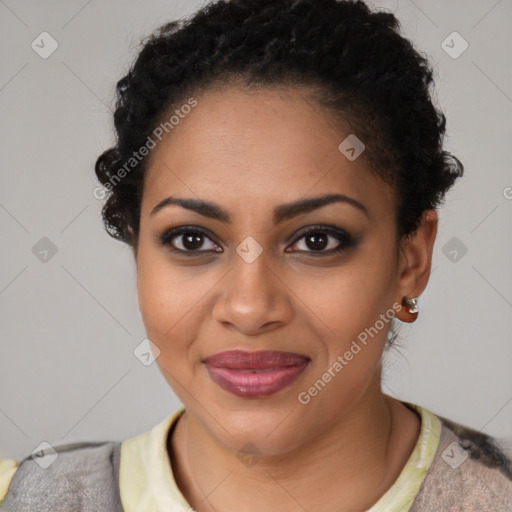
[(277, 172)]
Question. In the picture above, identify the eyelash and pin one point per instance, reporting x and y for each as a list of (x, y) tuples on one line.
[(346, 241)]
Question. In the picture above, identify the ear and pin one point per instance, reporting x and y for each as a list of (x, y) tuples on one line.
[(415, 262)]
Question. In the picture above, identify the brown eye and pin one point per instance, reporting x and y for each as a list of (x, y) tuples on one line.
[(320, 238), (188, 240)]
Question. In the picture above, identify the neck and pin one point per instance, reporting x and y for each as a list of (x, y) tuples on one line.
[(348, 466)]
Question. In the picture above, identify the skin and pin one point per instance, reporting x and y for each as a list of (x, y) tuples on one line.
[(248, 152)]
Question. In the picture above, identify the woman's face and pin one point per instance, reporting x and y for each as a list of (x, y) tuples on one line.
[(252, 281)]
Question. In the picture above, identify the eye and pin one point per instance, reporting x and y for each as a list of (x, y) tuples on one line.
[(187, 239), (191, 241), (319, 238)]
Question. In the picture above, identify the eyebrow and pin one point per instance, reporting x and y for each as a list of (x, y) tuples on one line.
[(281, 213)]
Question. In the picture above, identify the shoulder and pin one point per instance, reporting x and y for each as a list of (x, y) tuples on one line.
[(471, 471), (80, 476)]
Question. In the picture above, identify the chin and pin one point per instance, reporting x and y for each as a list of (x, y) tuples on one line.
[(267, 430)]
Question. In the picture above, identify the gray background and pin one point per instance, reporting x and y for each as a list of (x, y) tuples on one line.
[(69, 325)]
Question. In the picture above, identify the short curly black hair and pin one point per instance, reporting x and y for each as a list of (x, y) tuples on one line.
[(354, 59)]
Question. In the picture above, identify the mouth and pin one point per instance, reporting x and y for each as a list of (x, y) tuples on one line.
[(255, 374)]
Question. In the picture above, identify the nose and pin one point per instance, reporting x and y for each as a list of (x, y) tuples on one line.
[(254, 299)]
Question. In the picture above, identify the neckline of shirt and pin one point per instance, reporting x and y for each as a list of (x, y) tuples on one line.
[(147, 482)]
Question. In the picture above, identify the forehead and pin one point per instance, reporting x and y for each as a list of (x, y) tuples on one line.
[(259, 147)]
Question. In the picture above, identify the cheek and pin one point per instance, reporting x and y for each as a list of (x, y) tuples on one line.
[(172, 301), (162, 288), (346, 305), (159, 292), (353, 333), (166, 311), (345, 300)]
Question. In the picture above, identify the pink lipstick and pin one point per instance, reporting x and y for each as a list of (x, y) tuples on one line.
[(255, 374)]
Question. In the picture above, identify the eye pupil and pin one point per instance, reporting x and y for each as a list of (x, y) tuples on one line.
[(316, 244), (192, 241)]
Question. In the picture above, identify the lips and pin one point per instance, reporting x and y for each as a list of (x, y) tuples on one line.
[(255, 374), (262, 360)]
